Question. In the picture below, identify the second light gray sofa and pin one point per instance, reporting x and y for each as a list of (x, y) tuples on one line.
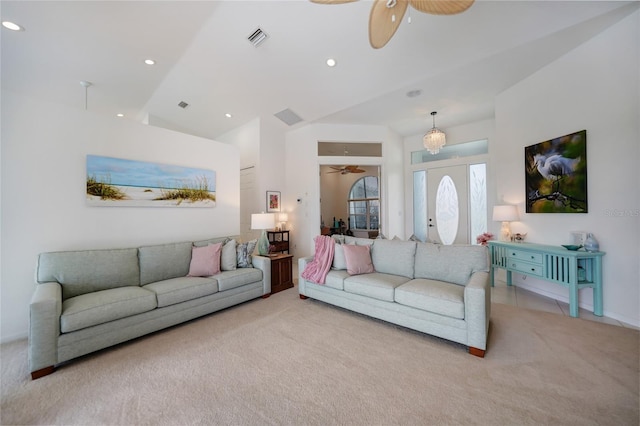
[(91, 299), (436, 289)]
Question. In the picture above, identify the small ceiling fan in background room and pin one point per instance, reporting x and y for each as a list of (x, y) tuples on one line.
[(346, 170), (386, 15)]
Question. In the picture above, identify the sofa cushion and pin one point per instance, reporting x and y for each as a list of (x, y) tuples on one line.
[(205, 261), (357, 241), (86, 271), (335, 279), (228, 257), (454, 263), (164, 261), (434, 296), (177, 290), (395, 257), (358, 259), (202, 243), (377, 285), (87, 310), (339, 261), (241, 276)]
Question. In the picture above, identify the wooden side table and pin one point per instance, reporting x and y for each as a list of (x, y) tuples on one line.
[(279, 241), (281, 272)]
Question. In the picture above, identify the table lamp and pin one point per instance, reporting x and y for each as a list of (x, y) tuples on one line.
[(283, 218), (505, 214), (263, 221)]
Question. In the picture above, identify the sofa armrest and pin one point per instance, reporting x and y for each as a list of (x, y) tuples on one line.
[(302, 263), (264, 264), (44, 325), (477, 309)]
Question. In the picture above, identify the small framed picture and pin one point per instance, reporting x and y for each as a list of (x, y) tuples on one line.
[(273, 201)]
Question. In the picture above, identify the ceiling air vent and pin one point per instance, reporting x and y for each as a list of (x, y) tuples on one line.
[(257, 37), (183, 104), (288, 116)]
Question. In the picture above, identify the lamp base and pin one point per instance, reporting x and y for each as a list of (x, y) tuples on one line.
[(263, 244), (505, 232)]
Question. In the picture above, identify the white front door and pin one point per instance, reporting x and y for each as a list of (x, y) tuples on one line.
[(448, 205)]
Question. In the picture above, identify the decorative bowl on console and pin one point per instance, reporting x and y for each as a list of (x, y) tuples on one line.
[(571, 247)]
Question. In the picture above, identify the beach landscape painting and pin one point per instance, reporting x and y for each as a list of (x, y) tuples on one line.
[(117, 182)]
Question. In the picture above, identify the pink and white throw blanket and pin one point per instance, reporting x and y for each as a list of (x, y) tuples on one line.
[(317, 270)]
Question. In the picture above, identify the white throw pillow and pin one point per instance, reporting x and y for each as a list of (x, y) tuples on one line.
[(228, 256), (339, 262)]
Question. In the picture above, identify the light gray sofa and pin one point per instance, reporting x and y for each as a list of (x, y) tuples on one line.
[(92, 299), (442, 290)]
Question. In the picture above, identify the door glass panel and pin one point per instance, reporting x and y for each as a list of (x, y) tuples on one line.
[(447, 210), (420, 205), (478, 199), (459, 150)]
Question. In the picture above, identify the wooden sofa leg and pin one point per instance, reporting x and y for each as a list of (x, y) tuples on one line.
[(476, 351), (42, 372), (264, 296), (303, 297)]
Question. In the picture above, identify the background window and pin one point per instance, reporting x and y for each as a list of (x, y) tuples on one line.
[(364, 204)]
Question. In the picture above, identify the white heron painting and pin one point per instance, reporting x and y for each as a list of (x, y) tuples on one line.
[(556, 175), (129, 183)]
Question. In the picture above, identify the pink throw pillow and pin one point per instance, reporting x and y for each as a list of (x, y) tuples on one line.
[(205, 261), (358, 259)]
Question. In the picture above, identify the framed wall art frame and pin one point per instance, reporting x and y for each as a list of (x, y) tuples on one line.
[(274, 202), (556, 175)]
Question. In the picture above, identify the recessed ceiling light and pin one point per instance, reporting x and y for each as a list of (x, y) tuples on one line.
[(149, 62), (331, 62), (119, 115), (228, 115), (12, 26)]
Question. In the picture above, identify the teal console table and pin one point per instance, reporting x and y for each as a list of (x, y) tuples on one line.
[(571, 269)]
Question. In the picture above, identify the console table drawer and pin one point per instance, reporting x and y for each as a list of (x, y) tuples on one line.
[(525, 255), (527, 268)]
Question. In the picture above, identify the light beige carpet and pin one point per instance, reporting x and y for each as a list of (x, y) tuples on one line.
[(282, 360)]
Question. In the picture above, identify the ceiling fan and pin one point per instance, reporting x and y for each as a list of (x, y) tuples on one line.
[(386, 15), (346, 170)]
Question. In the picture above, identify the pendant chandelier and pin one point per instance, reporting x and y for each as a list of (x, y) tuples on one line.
[(435, 138)]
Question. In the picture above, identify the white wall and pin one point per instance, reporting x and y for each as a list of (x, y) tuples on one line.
[(262, 145), (594, 87), (303, 181), (44, 147)]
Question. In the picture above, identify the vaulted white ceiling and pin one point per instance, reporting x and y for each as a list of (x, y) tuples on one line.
[(458, 63)]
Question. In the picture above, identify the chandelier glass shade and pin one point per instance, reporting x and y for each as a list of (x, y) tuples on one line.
[(435, 138)]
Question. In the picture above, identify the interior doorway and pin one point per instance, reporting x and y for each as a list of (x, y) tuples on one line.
[(342, 212)]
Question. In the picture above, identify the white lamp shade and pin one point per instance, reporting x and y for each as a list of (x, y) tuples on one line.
[(506, 213), (284, 217), (263, 220)]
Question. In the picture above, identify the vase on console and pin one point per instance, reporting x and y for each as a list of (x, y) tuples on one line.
[(591, 244)]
